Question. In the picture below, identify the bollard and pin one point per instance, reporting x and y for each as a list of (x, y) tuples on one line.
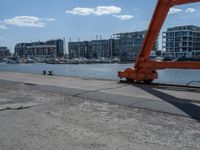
[(50, 73), (44, 72)]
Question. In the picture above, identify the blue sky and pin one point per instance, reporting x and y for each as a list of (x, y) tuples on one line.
[(33, 20)]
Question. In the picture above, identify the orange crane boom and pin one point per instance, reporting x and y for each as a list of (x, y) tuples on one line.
[(145, 69)]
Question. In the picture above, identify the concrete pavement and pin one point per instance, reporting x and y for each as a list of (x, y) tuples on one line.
[(178, 100), (48, 113)]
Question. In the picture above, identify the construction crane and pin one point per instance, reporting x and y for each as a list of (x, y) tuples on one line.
[(145, 69)]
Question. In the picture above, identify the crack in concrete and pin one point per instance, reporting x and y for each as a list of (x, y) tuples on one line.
[(98, 90), (17, 108)]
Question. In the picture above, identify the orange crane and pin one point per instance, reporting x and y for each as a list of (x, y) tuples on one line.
[(145, 69)]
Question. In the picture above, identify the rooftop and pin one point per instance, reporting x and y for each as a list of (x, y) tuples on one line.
[(186, 27)]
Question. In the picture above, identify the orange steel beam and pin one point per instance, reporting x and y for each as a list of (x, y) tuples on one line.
[(181, 2), (159, 16), (145, 69), (170, 64), (160, 13)]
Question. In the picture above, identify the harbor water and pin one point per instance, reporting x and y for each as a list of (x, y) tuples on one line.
[(103, 71)]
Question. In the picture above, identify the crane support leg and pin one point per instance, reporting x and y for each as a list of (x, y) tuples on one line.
[(145, 69)]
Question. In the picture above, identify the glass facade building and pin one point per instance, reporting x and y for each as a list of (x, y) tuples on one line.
[(48, 49), (4, 52), (182, 41), (125, 46)]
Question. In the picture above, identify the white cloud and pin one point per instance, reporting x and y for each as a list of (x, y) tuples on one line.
[(99, 10), (175, 10), (3, 27), (123, 17), (25, 21), (49, 19), (191, 10), (81, 11), (106, 10)]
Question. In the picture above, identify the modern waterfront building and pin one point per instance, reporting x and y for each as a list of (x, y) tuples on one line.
[(59, 44), (129, 44), (125, 46), (4, 52), (48, 49), (182, 41), (79, 49), (90, 49)]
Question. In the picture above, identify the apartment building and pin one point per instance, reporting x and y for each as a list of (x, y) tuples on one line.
[(130, 43), (59, 44), (182, 41), (90, 49), (125, 46), (48, 49), (4, 52)]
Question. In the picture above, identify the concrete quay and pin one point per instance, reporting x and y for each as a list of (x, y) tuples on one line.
[(53, 112), (179, 100)]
